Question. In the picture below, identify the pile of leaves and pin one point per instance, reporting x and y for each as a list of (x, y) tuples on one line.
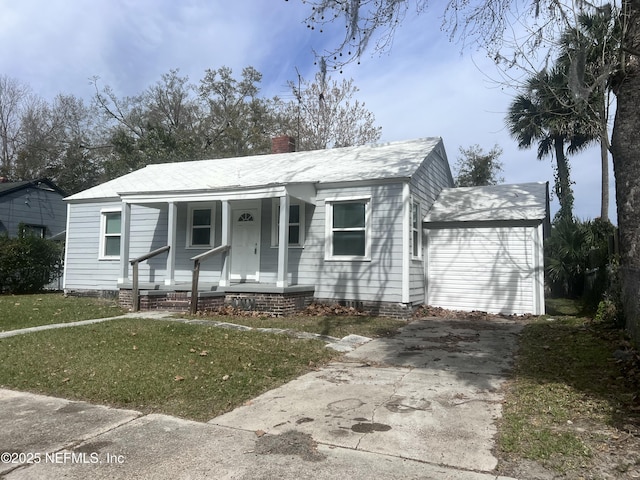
[(313, 310), (331, 310), (425, 311)]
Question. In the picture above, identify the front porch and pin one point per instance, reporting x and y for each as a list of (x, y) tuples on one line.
[(268, 299)]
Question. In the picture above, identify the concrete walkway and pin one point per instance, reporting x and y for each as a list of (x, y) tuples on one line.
[(421, 405)]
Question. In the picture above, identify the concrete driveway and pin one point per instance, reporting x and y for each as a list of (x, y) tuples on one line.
[(423, 404)]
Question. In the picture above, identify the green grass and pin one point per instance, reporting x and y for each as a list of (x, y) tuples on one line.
[(565, 384), (22, 311), (190, 371), (334, 326)]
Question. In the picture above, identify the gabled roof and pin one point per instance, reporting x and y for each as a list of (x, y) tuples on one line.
[(524, 201), (8, 187), (362, 163)]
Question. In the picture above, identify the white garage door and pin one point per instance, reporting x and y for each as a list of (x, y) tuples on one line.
[(497, 269)]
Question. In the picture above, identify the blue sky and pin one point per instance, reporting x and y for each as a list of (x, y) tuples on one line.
[(424, 86)]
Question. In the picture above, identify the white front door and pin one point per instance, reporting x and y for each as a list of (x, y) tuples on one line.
[(245, 244)]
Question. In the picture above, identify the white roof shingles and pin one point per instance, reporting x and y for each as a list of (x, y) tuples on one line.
[(369, 162), (525, 201)]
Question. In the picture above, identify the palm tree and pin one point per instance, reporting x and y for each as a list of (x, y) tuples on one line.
[(543, 114), (589, 52)]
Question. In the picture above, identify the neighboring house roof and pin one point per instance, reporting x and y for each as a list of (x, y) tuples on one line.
[(362, 163), (524, 201), (8, 187)]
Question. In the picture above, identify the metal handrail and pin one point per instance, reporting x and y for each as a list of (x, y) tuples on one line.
[(134, 263), (196, 273)]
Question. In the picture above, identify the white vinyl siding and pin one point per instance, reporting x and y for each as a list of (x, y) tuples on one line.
[(493, 269), (432, 176)]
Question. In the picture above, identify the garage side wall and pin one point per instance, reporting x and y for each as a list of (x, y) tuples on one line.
[(497, 269)]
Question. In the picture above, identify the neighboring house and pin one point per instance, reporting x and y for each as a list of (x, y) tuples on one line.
[(485, 248), (36, 204), (352, 217)]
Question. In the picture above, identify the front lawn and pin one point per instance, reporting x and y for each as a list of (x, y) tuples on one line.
[(22, 311), (333, 325), (572, 406), (190, 371)]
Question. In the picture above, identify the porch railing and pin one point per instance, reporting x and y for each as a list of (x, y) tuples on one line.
[(196, 273), (134, 263)]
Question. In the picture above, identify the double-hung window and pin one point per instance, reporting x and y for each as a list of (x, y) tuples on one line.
[(200, 230), (296, 224), (111, 231), (348, 229), (416, 234)]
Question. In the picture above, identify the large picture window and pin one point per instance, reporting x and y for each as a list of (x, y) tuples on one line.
[(296, 224), (201, 222), (111, 228), (348, 229)]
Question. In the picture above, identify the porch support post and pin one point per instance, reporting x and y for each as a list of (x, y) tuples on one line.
[(125, 235), (283, 243), (226, 240), (172, 223)]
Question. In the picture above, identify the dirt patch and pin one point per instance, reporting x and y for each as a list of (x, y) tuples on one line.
[(289, 443)]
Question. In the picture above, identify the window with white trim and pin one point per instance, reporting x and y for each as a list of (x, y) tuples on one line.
[(348, 229), (296, 223), (200, 230), (110, 233), (416, 236)]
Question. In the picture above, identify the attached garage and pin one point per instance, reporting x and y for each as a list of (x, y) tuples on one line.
[(484, 248)]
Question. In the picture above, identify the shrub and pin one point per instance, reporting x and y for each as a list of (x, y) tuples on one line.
[(28, 263), (578, 258)]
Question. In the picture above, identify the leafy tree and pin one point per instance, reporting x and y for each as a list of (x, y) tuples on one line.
[(237, 120), (325, 114), (476, 168), (155, 126), (13, 97)]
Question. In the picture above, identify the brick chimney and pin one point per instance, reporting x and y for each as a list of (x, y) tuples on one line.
[(283, 144)]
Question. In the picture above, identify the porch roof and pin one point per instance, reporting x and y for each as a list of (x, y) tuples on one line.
[(370, 162)]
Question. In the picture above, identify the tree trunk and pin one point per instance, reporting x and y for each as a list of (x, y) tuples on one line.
[(625, 147), (604, 160), (563, 182)]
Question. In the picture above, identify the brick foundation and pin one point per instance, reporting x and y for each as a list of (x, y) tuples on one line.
[(273, 304)]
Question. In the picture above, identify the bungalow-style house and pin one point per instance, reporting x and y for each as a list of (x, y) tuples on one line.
[(211, 232), (37, 205)]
